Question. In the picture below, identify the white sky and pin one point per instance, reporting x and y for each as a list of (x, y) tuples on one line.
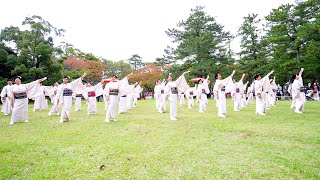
[(117, 29)]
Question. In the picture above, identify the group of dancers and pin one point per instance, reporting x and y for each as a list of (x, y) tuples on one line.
[(116, 92), (120, 93), (264, 90)]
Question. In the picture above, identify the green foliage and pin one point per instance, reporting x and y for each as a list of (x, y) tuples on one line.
[(119, 68), (8, 60), (201, 45), (135, 61), (199, 38), (34, 50), (291, 41)]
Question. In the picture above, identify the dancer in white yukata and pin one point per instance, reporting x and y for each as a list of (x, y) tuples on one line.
[(172, 88), (202, 91), (20, 95), (157, 94), (54, 100), (261, 85), (5, 99), (237, 93), (298, 91), (221, 87), (130, 95), (64, 95), (92, 92), (163, 97), (244, 95), (40, 102), (182, 98), (272, 94), (190, 94), (124, 90), (250, 99), (77, 101), (136, 94), (111, 92)]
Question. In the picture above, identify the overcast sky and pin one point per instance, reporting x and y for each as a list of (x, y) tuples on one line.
[(117, 29)]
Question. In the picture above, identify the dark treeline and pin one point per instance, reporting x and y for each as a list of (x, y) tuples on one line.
[(285, 40)]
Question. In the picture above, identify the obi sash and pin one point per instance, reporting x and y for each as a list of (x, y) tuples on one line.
[(91, 94), (302, 89), (204, 91), (78, 95), (114, 92), (162, 91), (174, 90), (191, 92), (20, 95), (67, 92), (223, 88), (237, 90)]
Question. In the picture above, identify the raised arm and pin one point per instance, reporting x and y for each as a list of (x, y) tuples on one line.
[(185, 72), (270, 73), (301, 71), (84, 75), (233, 72), (242, 77), (129, 75)]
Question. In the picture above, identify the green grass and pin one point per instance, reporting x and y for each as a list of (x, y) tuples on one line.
[(145, 144)]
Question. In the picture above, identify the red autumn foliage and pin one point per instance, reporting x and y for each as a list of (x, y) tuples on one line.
[(92, 68), (147, 75)]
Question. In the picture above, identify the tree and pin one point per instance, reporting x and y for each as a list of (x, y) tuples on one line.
[(147, 75), (251, 56), (8, 61), (136, 62), (200, 37), (35, 49), (201, 45), (293, 39), (119, 68), (93, 68)]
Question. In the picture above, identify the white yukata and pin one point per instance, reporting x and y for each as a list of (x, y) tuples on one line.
[(221, 87), (293, 102), (21, 93), (237, 95), (173, 88), (54, 100), (64, 94), (261, 86), (190, 93), (172, 91), (272, 94), (124, 89), (157, 95), (6, 103), (298, 95), (202, 92), (77, 101), (91, 93), (163, 98), (40, 102), (243, 96), (182, 98), (111, 92), (136, 94), (250, 99), (130, 97)]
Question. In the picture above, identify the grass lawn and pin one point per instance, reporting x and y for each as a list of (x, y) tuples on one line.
[(145, 144)]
